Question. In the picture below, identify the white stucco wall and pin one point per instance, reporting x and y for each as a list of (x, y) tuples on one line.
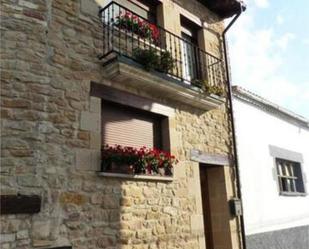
[(264, 209)]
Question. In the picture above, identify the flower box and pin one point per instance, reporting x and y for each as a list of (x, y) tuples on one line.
[(132, 161), (121, 168), (136, 25)]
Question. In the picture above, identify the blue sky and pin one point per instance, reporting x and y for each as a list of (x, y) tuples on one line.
[(269, 52)]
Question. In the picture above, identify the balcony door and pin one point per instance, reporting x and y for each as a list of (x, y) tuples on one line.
[(189, 53)]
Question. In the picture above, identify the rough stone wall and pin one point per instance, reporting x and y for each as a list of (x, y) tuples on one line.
[(49, 55)]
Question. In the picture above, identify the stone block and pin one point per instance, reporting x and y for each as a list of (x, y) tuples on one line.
[(95, 160), (83, 159), (153, 215), (111, 202), (133, 192), (95, 105), (89, 7), (170, 210), (126, 201), (27, 4), (96, 198), (90, 121), (197, 223), (179, 171), (89, 160), (41, 229), (201, 240), (5, 246), (193, 187), (29, 181), (144, 234), (41, 243), (23, 234), (95, 140), (7, 237), (72, 198)]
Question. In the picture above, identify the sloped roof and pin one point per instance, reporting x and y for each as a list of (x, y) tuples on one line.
[(268, 106)]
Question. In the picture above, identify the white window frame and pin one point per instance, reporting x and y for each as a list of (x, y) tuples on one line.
[(286, 171), (291, 157)]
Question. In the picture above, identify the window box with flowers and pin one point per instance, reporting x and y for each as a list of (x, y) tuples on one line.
[(142, 28), (132, 161)]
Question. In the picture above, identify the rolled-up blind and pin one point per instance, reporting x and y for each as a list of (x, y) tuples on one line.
[(128, 126)]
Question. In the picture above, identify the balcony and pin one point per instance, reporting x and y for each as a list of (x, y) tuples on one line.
[(139, 53)]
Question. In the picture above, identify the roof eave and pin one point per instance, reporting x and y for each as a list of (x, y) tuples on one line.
[(225, 8), (248, 96)]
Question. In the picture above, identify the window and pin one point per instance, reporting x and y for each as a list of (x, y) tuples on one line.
[(150, 7), (128, 126), (144, 8), (190, 53), (290, 177)]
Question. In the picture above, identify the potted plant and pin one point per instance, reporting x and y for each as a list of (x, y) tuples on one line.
[(154, 59), (210, 89), (167, 63), (147, 57)]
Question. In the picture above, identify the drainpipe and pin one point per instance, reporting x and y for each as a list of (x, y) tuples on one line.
[(242, 8)]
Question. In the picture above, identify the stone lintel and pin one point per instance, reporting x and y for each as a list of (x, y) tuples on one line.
[(125, 98)]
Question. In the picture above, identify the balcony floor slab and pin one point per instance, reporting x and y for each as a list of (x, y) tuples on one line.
[(127, 71)]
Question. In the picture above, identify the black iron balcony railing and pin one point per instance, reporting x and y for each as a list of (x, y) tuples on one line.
[(133, 36)]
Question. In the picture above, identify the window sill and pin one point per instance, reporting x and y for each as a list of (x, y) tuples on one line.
[(137, 177), (292, 194)]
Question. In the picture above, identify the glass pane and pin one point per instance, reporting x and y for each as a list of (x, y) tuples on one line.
[(289, 184), (279, 168), (290, 169), (287, 170), (188, 58), (293, 186), (284, 185)]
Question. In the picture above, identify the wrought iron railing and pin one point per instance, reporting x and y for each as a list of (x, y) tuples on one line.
[(133, 36)]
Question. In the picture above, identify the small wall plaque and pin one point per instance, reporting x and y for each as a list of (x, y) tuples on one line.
[(210, 159), (20, 204)]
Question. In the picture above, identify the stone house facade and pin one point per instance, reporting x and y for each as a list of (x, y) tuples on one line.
[(61, 66)]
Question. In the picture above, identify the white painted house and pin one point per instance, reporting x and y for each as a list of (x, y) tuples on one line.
[(273, 154)]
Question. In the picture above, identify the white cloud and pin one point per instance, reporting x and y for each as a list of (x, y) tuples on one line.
[(257, 55), (279, 19), (283, 41), (306, 41), (261, 3)]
